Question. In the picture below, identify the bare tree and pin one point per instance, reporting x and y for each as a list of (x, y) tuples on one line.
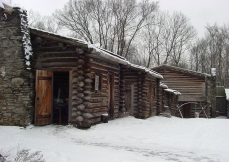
[(47, 23), (177, 37), (152, 40), (212, 52), (167, 41), (113, 23), (218, 44), (199, 55)]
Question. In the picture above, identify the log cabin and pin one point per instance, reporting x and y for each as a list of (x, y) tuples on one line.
[(90, 81), (48, 78), (196, 88)]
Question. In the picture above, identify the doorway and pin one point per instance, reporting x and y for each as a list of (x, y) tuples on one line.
[(187, 111), (111, 96), (52, 94), (60, 97), (129, 98)]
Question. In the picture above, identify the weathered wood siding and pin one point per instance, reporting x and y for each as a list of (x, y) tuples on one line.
[(50, 57), (193, 88), (162, 100), (106, 99), (131, 77), (145, 93), (150, 99)]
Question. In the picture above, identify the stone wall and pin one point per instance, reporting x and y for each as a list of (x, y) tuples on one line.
[(16, 81)]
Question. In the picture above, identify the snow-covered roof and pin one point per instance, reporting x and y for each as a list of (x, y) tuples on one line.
[(146, 70), (227, 94), (97, 51), (163, 85), (173, 91), (182, 70)]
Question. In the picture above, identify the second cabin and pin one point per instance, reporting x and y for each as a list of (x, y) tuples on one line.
[(197, 90)]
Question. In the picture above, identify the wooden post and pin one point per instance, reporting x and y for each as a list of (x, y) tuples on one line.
[(132, 99), (213, 96)]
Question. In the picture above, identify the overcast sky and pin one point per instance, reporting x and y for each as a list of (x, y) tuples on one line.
[(200, 12)]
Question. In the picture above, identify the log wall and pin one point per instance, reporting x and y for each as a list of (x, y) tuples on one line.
[(193, 88), (131, 77), (107, 98), (145, 93), (149, 97), (162, 100)]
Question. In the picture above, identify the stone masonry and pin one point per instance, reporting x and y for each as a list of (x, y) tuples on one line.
[(16, 81)]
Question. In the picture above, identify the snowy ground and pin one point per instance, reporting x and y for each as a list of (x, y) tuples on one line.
[(128, 139)]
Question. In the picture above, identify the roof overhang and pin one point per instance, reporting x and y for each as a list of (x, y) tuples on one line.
[(165, 66)]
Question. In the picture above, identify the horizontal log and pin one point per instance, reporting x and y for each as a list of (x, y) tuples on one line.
[(105, 67), (104, 63), (59, 53), (93, 105), (58, 64), (59, 59), (102, 71), (88, 70)]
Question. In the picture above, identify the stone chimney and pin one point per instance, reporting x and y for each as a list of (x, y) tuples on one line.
[(16, 80)]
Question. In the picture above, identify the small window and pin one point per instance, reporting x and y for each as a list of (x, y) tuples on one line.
[(97, 82)]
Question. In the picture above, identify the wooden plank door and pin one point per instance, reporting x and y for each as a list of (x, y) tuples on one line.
[(129, 99), (111, 95), (44, 98), (221, 106)]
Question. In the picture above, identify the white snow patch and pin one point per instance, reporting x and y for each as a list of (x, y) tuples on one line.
[(163, 85), (227, 94), (26, 39), (149, 71), (6, 2), (1, 5), (127, 139), (173, 91)]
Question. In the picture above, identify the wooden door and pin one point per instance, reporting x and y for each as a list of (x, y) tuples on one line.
[(44, 99), (111, 95), (129, 99), (221, 105), (187, 111)]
